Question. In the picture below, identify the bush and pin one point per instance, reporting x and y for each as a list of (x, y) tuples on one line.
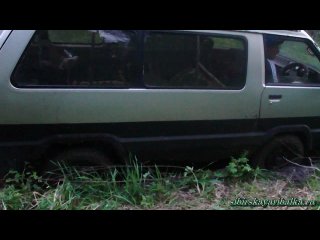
[(238, 168)]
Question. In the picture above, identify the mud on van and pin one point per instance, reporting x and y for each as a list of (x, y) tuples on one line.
[(93, 96)]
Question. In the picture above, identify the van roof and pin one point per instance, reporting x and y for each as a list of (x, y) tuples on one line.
[(291, 33)]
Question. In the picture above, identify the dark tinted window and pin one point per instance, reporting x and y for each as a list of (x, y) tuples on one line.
[(194, 61), (79, 58)]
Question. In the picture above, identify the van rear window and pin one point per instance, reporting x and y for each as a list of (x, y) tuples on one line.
[(79, 58), (174, 60)]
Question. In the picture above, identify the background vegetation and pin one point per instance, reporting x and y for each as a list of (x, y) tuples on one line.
[(315, 34)]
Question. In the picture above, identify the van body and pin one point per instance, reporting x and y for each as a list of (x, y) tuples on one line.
[(174, 95)]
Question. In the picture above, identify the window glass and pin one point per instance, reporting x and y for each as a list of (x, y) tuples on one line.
[(79, 58), (299, 52), (194, 61), (226, 43), (290, 61)]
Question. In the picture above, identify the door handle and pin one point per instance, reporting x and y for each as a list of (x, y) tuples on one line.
[(274, 98)]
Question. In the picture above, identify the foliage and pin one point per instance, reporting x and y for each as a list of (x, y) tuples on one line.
[(201, 179), (315, 34), (136, 186), (238, 168)]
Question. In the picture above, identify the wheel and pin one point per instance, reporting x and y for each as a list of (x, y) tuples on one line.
[(273, 156), (79, 159)]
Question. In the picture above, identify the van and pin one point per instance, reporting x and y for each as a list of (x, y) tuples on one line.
[(92, 97)]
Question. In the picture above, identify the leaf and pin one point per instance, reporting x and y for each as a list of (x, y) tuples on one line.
[(187, 171), (233, 170), (220, 173), (247, 168), (147, 174)]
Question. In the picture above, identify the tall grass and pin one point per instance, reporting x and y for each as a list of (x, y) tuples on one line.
[(136, 186), (131, 185)]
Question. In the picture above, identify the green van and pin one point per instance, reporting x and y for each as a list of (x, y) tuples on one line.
[(93, 96)]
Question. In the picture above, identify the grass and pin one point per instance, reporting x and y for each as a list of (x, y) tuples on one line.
[(154, 187)]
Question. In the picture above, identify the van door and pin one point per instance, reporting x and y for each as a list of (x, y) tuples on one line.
[(293, 99), (206, 82)]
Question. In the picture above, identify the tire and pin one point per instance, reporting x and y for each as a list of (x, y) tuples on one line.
[(79, 159), (273, 155)]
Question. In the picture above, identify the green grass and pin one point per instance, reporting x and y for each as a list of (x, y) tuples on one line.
[(153, 187)]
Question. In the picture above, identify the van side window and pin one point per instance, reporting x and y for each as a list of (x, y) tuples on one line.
[(174, 60), (290, 62), (79, 58)]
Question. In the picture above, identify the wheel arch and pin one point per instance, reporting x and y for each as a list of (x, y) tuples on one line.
[(303, 132), (108, 144)]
